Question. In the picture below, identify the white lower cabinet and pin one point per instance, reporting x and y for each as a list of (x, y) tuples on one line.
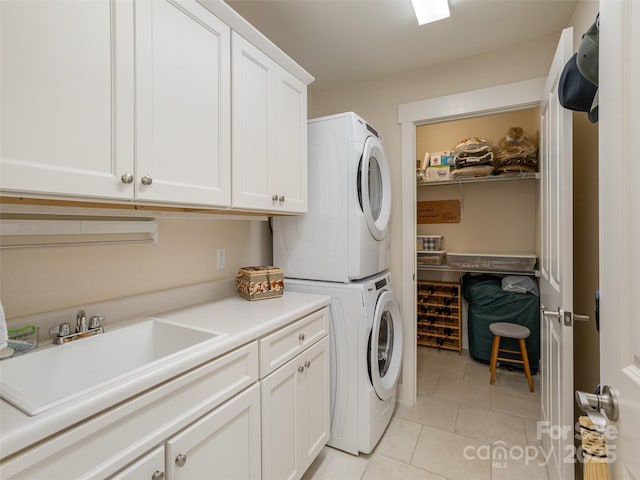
[(223, 444), (295, 413), (214, 421)]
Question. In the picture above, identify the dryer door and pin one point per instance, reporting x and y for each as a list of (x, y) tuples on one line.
[(385, 346), (374, 188)]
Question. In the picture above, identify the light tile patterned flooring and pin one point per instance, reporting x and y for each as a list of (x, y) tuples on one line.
[(461, 428)]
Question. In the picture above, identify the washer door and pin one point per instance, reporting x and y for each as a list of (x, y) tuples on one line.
[(385, 346), (374, 188)]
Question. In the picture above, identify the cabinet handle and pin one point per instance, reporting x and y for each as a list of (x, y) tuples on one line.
[(281, 199), (181, 459), (157, 475), (127, 178), (146, 180), (301, 337), (274, 198), (301, 368), (307, 364)]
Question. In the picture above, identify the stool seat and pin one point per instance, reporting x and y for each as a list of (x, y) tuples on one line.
[(509, 330)]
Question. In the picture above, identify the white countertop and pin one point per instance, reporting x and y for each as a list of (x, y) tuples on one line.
[(238, 320)]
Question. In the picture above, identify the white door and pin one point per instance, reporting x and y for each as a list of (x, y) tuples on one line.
[(183, 106), (253, 120), (313, 403), (620, 226), (374, 188), (67, 103), (556, 271), (289, 170), (385, 346), (280, 435), (223, 444)]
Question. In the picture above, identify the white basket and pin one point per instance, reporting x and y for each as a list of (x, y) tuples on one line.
[(429, 242), (492, 261)]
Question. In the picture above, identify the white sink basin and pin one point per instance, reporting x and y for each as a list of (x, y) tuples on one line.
[(39, 381)]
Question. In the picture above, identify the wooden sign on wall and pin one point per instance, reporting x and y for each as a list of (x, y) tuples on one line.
[(438, 211)]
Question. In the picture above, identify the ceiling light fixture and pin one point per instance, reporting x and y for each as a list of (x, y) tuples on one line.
[(430, 10)]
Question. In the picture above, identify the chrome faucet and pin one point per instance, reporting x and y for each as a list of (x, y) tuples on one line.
[(81, 322), (63, 331)]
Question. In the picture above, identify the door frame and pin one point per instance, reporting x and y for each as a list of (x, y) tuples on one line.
[(502, 98)]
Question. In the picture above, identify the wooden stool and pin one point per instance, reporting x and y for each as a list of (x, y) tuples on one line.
[(510, 330)]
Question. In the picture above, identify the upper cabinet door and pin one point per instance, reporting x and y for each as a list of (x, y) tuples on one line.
[(183, 104), (289, 172), (253, 120), (269, 133), (67, 97)]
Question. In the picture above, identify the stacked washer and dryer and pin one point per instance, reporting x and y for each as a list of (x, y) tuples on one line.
[(341, 249)]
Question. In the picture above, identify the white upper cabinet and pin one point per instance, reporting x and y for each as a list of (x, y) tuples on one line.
[(132, 101), (269, 133), (67, 97), (182, 104)]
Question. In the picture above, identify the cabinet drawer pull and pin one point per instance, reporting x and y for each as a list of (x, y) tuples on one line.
[(301, 368), (274, 198), (146, 180), (157, 475), (301, 337), (281, 199), (181, 459), (307, 364)]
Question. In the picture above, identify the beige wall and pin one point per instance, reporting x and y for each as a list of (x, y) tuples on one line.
[(34, 280), (499, 217), (377, 101)]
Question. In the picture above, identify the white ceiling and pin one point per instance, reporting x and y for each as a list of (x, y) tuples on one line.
[(347, 41)]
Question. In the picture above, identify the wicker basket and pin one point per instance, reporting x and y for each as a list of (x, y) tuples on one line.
[(258, 283)]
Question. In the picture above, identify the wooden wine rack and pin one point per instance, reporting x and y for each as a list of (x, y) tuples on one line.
[(438, 315)]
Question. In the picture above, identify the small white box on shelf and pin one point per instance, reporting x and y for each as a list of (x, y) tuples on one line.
[(438, 174)]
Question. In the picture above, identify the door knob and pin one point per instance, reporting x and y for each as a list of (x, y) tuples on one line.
[(274, 198), (157, 475), (606, 400), (146, 180)]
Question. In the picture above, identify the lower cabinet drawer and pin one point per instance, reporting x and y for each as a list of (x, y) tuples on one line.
[(281, 346)]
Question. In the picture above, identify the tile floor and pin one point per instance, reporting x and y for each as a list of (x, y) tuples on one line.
[(461, 428)]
